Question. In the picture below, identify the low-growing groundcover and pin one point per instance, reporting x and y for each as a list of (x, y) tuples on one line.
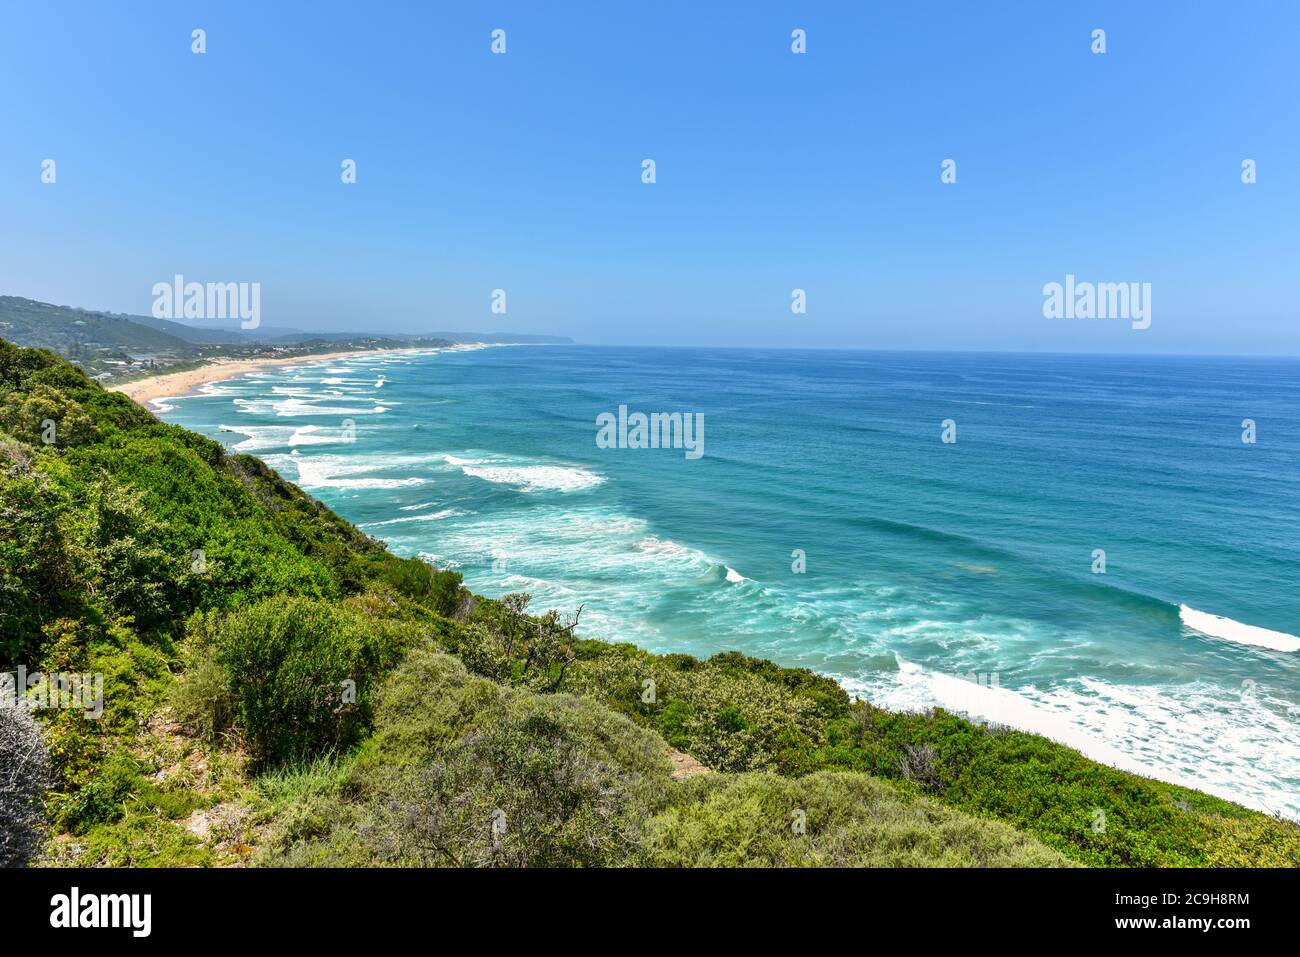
[(279, 689)]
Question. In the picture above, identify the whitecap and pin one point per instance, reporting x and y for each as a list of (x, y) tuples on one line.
[(431, 517), (1235, 745), (322, 471), (537, 478), (294, 407), (1215, 626)]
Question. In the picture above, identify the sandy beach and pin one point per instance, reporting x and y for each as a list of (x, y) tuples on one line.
[(176, 384)]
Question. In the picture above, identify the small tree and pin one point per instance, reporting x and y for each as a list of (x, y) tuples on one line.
[(550, 649), (520, 649)]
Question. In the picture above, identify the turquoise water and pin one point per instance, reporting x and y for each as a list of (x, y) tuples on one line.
[(956, 574)]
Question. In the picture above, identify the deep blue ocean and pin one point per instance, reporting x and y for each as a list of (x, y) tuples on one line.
[(964, 574)]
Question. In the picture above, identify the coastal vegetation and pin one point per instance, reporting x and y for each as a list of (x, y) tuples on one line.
[(278, 689), (116, 348)]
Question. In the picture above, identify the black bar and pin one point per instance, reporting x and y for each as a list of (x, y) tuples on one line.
[(332, 907)]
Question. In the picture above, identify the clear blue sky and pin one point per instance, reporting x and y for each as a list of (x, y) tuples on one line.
[(775, 171)]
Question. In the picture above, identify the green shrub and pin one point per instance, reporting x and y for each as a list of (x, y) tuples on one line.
[(45, 415), (441, 591), (140, 838), (503, 642), (1255, 841), (38, 581), (301, 673), (100, 800), (1053, 792), (202, 701), (730, 719), (552, 781), (463, 772), (828, 819), (674, 718), (115, 544)]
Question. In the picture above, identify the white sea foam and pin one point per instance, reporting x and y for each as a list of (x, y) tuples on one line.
[(1215, 626), (527, 476), (296, 407), (1232, 744), (659, 546), (537, 478), (259, 437), (590, 555), (318, 435), (431, 517), (344, 380), (345, 472), (255, 406), (263, 437), (525, 583)]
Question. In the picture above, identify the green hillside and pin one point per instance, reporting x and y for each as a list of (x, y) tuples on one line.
[(82, 333), (115, 348), (193, 334), (279, 689)]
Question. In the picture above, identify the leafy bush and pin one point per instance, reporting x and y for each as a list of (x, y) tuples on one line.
[(552, 781), (828, 819), (44, 414), (464, 772), (730, 719), (1254, 841), (301, 672), (37, 582), (201, 701), (441, 590), (115, 546), (101, 798), (503, 642)]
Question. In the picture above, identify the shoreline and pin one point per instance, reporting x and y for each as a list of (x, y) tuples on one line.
[(148, 391), (1000, 707)]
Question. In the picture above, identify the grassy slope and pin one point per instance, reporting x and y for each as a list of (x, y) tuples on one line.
[(222, 718)]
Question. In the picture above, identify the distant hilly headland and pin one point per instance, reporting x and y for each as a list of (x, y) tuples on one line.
[(114, 348), (202, 665)]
